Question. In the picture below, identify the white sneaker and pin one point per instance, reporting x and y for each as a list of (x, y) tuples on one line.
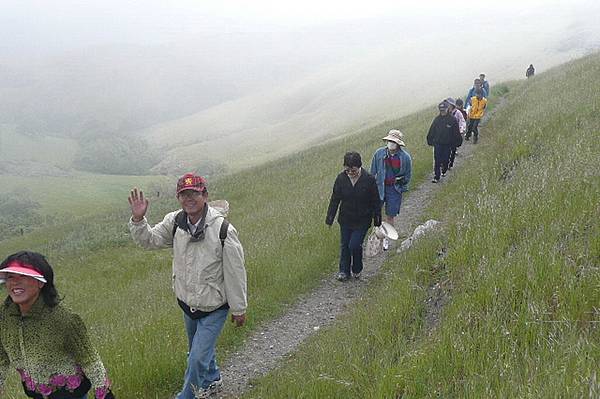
[(386, 244)]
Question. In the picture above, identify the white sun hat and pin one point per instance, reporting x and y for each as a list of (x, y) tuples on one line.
[(386, 230)]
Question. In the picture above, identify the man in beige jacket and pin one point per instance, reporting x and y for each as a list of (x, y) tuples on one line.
[(209, 277)]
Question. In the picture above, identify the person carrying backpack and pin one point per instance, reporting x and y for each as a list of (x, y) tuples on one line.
[(209, 276), (530, 71), (443, 134)]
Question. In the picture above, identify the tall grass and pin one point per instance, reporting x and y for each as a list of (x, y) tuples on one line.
[(124, 293), (521, 271)]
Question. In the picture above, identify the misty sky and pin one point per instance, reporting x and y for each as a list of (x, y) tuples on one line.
[(47, 26)]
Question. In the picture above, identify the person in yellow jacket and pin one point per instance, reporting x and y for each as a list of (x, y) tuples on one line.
[(478, 104)]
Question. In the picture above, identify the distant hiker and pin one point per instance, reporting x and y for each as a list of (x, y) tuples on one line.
[(392, 167), (530, 71), (476, 85), (356, 190), (460, 107), (46, 342), (209, 277), (462, 127), (478, 105), (443, 134), (485, 85)]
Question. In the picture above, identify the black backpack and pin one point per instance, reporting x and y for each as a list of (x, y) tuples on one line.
[(181, 220)]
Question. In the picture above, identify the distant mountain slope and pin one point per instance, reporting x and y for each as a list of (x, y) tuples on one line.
[(246, 97), (386, 82)]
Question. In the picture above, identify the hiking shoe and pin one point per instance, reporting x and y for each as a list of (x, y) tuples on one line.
[(214, 388), (444, 174), (356, 275), (386, 244), (467, 138), (341, 276), (434, 180)]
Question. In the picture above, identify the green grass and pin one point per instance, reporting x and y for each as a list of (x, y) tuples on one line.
[(77, 195), (522, 239), (123, 292)]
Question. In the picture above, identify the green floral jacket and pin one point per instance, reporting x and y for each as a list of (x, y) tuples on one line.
[(50, 349)]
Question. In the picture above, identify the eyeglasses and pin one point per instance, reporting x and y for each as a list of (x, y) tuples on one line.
[(189, 194)]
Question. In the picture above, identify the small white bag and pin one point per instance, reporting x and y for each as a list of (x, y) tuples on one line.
[(374, 244)]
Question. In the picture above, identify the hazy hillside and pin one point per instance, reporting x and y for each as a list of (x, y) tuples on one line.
[(388, 81), (249, 96)]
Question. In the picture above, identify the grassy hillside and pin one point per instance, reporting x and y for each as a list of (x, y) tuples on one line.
[(30, 203), (517, 264), (124, 293)]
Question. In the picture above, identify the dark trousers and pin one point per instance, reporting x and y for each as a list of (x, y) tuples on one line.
[(441, 157), (472, 128), (351, 250), (452, 156)]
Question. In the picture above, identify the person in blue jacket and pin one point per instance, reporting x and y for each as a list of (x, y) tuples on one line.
[(392, 167), (477, 84)]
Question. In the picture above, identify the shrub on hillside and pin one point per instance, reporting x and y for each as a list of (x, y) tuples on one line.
[(499, 90), (18, 213), (116, 155)]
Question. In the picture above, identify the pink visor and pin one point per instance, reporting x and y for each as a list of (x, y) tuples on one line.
[(24, 269)]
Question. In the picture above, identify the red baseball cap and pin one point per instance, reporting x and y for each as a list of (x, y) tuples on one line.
[(190, 181), (22, 268)]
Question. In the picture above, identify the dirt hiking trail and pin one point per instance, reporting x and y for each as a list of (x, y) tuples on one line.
[(265, 348)]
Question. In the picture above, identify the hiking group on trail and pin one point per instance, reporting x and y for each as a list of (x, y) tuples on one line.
[(360, 195), (49, 345)]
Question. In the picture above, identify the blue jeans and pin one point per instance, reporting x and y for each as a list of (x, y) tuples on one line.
[(202, 367), (351, 249)]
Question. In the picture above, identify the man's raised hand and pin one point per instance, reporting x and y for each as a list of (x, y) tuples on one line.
[(138, 204)]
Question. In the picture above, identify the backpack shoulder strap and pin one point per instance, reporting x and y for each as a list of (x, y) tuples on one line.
[(179, 215), (223, 231)]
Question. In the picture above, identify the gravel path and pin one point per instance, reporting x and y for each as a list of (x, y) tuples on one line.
[(263, 350)]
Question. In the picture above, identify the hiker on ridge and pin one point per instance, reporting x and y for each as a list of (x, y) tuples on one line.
[(442, 136), (462, 127), (46, 342), (478, 105), (356, 190), (392, 167), (476, 85), (530, 71), (209, 277)]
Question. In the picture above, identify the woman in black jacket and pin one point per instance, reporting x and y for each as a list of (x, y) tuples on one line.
[(357, 191)]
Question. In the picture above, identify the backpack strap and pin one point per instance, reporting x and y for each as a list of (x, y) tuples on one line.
[(223, 231), (176, 223), (181, 218)]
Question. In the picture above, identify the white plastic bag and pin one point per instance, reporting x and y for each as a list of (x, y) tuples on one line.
[(374, 245)]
